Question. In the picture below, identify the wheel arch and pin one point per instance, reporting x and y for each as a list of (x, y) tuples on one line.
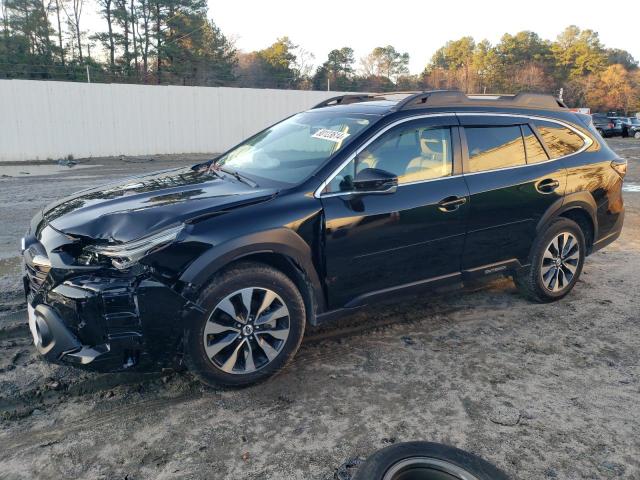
[(584, 221), (281, 249), (579, 207)]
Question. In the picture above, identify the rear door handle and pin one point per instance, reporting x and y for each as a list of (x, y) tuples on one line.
[(451, 204), (547, 185)]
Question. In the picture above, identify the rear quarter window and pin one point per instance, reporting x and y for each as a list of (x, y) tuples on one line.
[(560, 140), (535, 152)]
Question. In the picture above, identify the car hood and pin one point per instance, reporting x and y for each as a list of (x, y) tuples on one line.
[(132, 208)]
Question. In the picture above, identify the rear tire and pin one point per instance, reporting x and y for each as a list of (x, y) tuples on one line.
[(253, 327), (556, 261), (426, 461)]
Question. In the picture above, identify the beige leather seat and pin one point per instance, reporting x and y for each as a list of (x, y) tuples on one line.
[(434, 159)]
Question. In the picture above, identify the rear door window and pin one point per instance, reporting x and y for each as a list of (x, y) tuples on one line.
[(560, 140), (494, 147)]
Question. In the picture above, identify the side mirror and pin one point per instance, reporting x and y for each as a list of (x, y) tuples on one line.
[(374, 180)]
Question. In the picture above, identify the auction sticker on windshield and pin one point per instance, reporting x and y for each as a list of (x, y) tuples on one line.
[(331, 135)]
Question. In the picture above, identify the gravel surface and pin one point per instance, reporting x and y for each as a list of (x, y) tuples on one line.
[(543, 391)]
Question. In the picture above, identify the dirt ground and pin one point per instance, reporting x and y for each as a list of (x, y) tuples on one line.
[(543, 391)]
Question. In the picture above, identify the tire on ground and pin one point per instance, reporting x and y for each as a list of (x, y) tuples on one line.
[(385, 461)]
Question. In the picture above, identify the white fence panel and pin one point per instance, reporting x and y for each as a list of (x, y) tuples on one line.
[(50, 120)]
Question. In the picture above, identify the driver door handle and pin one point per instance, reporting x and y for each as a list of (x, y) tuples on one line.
[(451, 204)]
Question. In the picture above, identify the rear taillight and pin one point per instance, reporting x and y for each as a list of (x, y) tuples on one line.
[(610, 125), (620, 166)]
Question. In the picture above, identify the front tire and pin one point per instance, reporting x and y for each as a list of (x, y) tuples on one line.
[(557, 257), (636, 135), (253, 327)]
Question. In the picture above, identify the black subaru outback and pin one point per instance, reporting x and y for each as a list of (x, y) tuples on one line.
[(362, 198)]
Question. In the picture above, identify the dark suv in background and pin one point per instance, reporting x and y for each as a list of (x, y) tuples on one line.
[(360, 199)]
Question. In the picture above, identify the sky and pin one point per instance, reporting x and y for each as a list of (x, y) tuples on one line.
[(418, 28)]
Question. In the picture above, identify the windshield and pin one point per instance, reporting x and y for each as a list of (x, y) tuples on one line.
[(293, 149)]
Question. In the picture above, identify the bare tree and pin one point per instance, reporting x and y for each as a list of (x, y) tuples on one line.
[(5, 27), (145, 38), (158, 41), (134, 22), (74, 21), (303, 62), (57, 3)]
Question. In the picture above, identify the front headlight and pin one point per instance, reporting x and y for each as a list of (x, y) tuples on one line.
[(124, 255)]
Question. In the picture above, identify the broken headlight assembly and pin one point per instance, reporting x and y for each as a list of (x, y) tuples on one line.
[(127, 254)]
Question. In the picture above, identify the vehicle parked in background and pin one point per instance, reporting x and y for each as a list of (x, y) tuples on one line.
[(630, 126), (607, 126), (363, 198), (634, 131)]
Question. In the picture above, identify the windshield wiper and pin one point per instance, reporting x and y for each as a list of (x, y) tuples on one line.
[(241, 178)]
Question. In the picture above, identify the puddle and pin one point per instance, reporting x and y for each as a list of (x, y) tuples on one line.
[(631, 187), (39, 170)]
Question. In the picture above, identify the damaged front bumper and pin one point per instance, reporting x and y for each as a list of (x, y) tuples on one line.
[(88, 321), (105, 321), (55, 341)]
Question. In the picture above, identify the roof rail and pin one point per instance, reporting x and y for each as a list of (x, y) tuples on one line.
[(445, 98), (344, 100), (436, 98)]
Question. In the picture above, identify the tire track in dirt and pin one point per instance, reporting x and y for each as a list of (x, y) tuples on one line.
[(46, 436)]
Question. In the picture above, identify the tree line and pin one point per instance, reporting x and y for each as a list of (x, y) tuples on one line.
[(174, 42)]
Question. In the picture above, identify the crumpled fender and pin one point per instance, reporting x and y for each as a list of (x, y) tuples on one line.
[(282, 241)]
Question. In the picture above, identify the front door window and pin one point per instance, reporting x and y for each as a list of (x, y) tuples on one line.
[(413, 154)]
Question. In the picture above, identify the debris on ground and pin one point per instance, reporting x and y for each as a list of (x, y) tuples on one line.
[(66, 162), (347, 470)]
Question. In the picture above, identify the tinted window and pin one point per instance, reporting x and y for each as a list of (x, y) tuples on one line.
[(560, 140), (494, 147), (411, 153), (535, 152)]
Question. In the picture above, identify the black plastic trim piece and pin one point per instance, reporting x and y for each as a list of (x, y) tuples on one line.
[(403, 289), (345, 100), (498, 268)]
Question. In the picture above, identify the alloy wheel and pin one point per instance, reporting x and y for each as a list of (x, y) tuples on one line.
[(246, 330), (425, 468), (560, 262)]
